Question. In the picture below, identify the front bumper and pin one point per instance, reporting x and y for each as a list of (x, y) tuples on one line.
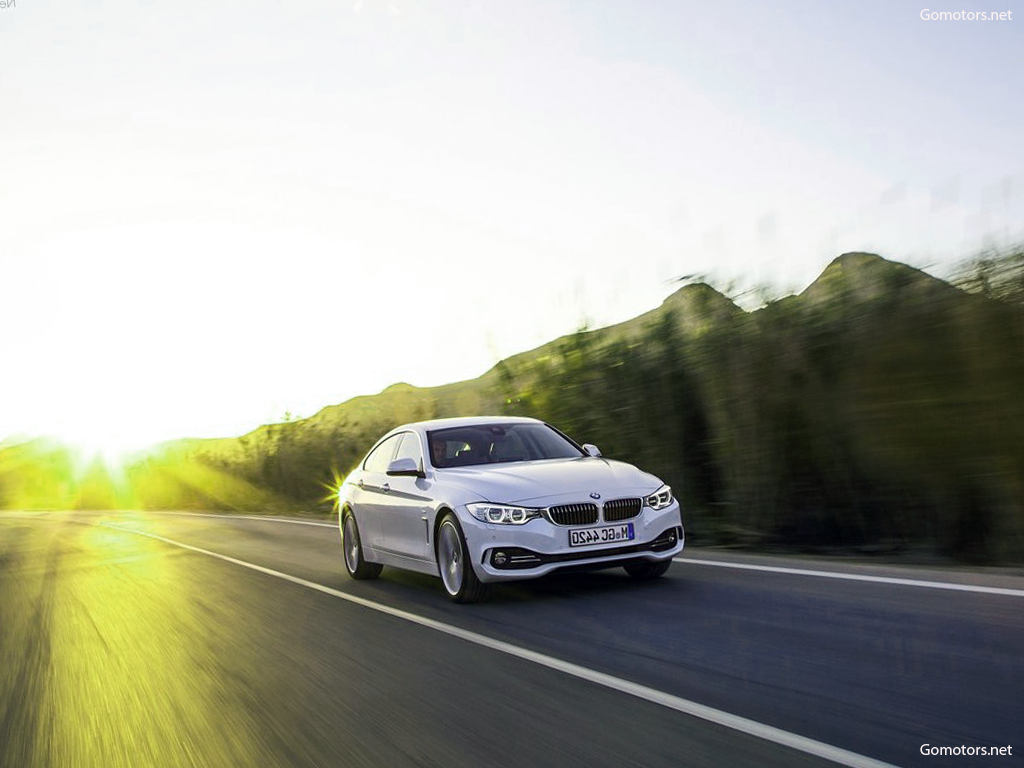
[(540, 547)]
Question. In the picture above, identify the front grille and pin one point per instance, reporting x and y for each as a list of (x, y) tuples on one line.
[(573, 514), (622, 509)]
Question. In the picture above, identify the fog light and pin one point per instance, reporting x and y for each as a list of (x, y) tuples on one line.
[(500, 558), (672, 538)]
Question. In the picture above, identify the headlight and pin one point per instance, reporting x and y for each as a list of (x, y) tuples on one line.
[(501, 514), (660, 499)]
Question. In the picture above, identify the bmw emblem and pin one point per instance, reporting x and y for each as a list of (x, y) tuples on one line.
[(595, 495)]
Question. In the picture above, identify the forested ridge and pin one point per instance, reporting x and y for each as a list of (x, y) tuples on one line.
[(881, 409)]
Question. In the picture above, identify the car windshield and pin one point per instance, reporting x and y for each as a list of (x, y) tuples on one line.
[(492, 443)]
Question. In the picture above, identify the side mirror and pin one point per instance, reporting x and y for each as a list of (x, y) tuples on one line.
[(405, 467), (591, 450)]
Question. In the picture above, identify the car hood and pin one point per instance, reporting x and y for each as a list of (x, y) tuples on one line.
[(542, 483)]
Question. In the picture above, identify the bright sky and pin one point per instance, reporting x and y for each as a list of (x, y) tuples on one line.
[(214, 212)]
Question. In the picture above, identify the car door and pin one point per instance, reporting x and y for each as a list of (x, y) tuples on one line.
[(407, 510), (369, 496)]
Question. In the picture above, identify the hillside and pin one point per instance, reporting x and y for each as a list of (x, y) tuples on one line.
[(878, 409)]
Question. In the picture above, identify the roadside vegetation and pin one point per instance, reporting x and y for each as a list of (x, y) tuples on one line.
[(880, 410)]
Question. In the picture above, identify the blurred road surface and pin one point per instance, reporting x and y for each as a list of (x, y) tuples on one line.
[(118, 649)]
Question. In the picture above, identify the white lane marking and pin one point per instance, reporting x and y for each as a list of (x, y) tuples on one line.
[(716, 563), (855, 577), (292, 520), (716, 716)]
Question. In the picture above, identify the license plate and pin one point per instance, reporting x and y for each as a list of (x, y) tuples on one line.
[(581, 537)]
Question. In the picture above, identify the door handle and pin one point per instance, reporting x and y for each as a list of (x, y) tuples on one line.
[(386, 487), (360, 482)]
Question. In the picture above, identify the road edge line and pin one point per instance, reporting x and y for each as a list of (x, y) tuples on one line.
[(979, 588)]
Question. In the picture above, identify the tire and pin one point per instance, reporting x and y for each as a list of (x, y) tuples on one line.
[(352, 548), (453, 563), (645, 569)]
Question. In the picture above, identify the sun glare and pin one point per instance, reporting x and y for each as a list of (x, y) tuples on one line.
[(111, 454), (110, 442), (101, 452)]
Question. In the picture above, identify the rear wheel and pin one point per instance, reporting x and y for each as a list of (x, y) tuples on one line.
[(355, 564), (453, 563), (647, 570)]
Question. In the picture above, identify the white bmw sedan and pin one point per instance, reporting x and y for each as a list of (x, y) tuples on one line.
[(486, 499)]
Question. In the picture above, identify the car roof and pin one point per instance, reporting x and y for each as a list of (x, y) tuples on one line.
[(464, 421)]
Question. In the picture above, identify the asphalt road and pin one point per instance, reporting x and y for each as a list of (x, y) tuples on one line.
[(120, 649)]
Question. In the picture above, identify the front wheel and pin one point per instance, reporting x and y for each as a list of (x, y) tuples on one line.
[(646, 569), (355, 564), (453, 563)]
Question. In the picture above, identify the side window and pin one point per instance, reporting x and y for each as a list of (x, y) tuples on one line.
[(380, 456), (410, 448)]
